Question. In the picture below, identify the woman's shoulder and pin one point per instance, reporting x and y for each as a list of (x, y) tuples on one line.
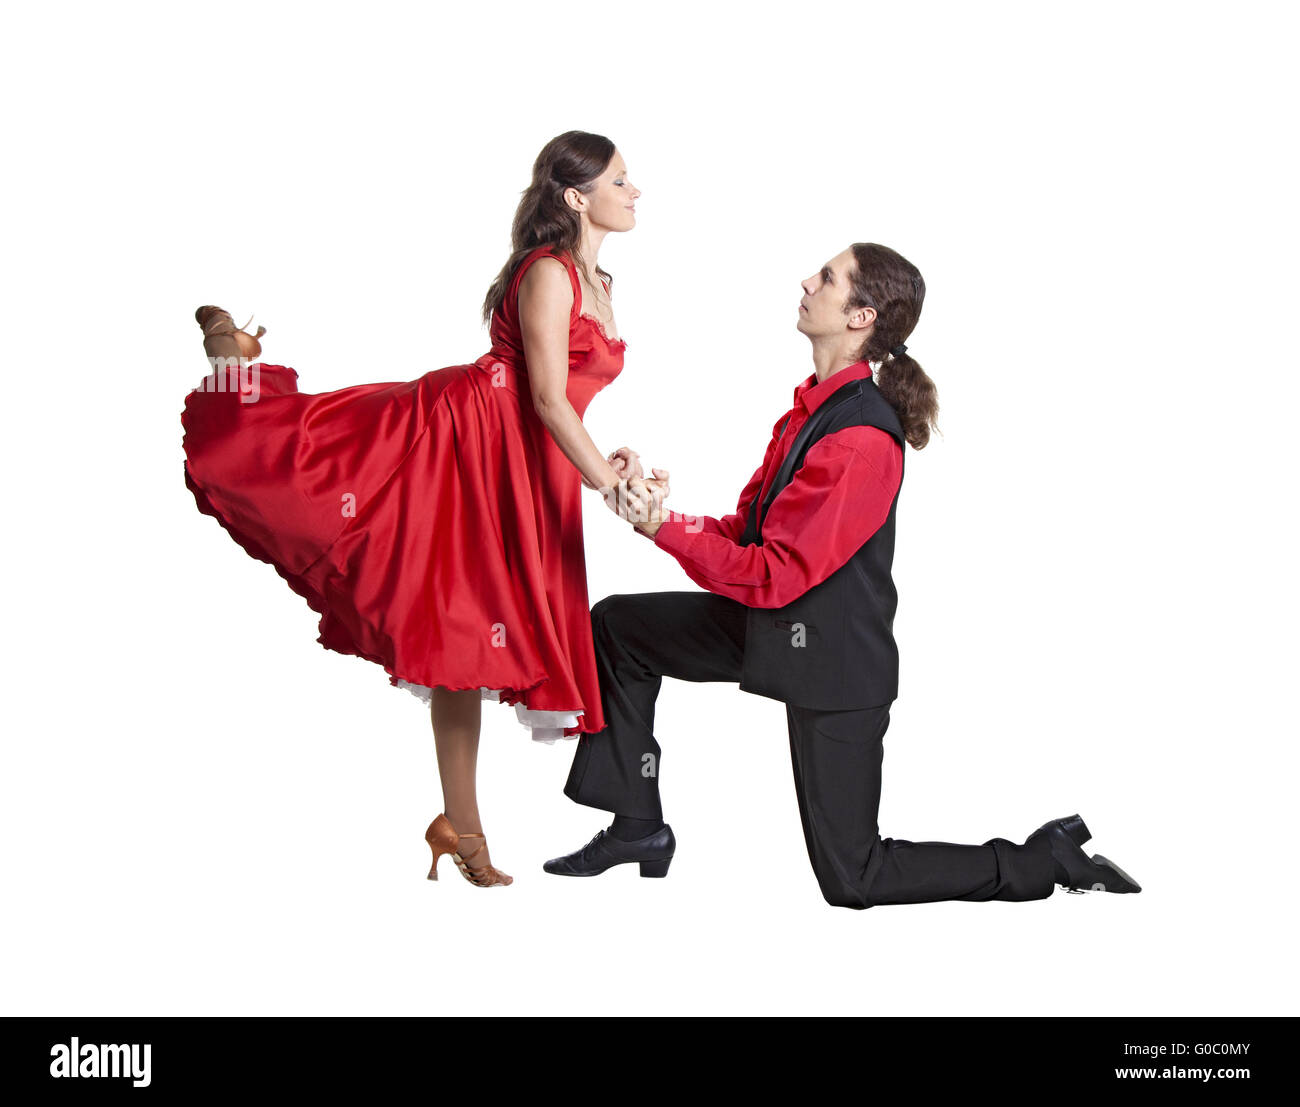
[(549, 273), (547, 258), (546, 267)]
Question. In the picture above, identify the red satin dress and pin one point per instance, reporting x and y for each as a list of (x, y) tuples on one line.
[(433, 524)]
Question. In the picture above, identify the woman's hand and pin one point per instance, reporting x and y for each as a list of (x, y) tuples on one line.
[(626, 462)]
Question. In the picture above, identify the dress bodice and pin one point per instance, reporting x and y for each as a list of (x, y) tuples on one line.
[(594, 358)]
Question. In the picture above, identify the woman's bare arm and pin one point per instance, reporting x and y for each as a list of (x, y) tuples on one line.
[(545, 303)]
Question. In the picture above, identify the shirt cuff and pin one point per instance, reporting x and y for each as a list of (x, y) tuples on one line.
[(671, 536)]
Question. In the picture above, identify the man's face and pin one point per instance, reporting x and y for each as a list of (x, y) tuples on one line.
[(821, 311)]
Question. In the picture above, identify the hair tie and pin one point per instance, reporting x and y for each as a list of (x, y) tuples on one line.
[(898, 351)]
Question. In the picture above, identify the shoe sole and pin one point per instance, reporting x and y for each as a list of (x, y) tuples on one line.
[(657, 869), (1100, 860)]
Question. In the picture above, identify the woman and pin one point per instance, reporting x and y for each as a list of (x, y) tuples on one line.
[(436, 524)]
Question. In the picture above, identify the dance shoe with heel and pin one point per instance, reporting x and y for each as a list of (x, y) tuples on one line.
[(221, 338), (442, 838), (1082, 873)]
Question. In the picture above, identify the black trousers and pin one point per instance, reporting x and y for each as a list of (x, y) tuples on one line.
[(836, 755)]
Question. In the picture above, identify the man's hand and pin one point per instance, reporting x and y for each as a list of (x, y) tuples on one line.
[(649, 521), (629, 498), (639, 500)]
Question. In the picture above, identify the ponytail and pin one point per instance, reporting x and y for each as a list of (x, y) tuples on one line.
[(885, 280), (912, 395)]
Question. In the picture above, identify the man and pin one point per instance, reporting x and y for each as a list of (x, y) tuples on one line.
[(799, 607)]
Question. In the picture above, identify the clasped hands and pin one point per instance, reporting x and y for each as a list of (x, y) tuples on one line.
[(637, 498)]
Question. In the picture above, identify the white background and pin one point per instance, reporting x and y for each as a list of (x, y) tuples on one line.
[(205, 812)]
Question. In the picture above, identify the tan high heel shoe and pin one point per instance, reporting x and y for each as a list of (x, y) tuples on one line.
[(442, 838), (221, 338)]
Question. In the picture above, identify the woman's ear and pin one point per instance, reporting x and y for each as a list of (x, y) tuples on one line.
[(575, 199)]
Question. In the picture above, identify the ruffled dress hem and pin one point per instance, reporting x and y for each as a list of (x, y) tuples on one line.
[(545, 726)]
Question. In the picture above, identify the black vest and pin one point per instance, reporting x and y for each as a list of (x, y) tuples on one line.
[(833, 648)]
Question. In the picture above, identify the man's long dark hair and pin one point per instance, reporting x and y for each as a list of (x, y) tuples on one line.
[(887, 281), (574, 159)]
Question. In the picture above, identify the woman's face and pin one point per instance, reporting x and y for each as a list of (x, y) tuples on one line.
[(610, 203)]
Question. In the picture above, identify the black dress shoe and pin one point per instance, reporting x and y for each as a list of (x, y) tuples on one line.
[(653, 852), (1085, 874)]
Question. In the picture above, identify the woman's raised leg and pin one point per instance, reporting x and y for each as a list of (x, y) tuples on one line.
[(222, 339)]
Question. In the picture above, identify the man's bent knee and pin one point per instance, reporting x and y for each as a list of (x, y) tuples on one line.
[(839, 894), (615, 606)]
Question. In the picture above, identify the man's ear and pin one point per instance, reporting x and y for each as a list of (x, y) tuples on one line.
[(861, 318)]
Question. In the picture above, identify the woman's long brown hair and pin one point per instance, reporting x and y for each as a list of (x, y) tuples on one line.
[(887, 281), (574, 159)]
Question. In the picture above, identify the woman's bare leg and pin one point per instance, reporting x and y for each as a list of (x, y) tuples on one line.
[(456, 718)]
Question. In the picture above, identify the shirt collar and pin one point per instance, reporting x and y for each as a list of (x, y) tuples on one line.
[(812, 395)]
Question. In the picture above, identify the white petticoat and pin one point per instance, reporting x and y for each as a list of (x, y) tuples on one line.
[(545, 726)]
